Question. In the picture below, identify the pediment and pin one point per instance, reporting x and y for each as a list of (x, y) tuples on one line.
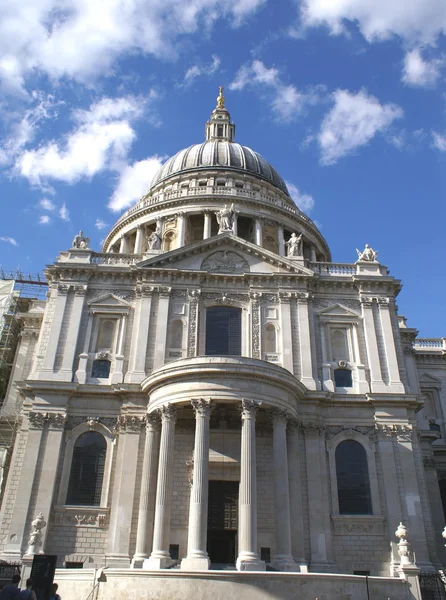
[(427, 379), (226, 254), (109, 300), (337, 310)]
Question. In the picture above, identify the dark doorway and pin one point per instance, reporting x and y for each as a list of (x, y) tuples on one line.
[(222, 521)]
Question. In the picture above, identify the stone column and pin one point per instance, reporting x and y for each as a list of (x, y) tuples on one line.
[(287, 331), (25, 469), (140, 337), (258, 231), (376, 379), (296, 505), (395, 384), (117, 375), (160, 557), (139, 239), (280, 240), (235, 224), (313, 253), (161, 327), (305, 342), (197, 557), (181, 229), (74, 322), (123, 248), (118, 555), (207, 224), (282, 561), (55, 328), (248, 558), (146, 513), (318, 502)]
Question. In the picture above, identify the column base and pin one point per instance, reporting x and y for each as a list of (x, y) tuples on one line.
[(201, 563), (284, 563), (157, 563), (250, 564), (138, 561), (118, 561)]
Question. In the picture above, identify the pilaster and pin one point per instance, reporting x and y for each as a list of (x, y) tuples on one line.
[(305, 341), (376, 379), (161, 328), (295, 486), (140, 335), (287, 331)]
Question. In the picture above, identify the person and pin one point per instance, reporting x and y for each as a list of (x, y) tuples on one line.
[(28, 594), (54, 594), (11, 591)]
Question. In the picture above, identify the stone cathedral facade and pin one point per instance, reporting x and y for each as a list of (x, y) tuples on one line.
[(211, 389)]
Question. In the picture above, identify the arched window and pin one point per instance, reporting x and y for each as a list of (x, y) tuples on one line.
[(106, 334), (270, 341), (352, 476), (343, 378), (87, 470), (101, 369), (339, 344), (223, 331), (176, 334)]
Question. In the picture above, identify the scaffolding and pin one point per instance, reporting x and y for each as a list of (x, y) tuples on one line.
[(17, 291)]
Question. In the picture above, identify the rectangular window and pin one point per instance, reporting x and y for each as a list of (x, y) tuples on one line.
[(220, 130), (223, 331), (74, 565)]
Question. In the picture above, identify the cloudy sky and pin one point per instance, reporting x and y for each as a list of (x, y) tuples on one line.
[(346, 98)]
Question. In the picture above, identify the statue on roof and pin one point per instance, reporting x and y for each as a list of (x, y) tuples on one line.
[(294, 245), (154, 240), (368, 254), (80, 241), (225, 219), (221, 99)]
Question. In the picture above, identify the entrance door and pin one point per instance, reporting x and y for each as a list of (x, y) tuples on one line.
[(222, 521)]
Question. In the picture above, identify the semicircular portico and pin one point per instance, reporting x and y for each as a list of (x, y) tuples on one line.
[(224, 379)]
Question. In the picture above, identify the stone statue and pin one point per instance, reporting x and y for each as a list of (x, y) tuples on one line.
[(294, 245), (368, 254), (80, 241), (221, 98), (154, 240), (35, 538), (225, 219)]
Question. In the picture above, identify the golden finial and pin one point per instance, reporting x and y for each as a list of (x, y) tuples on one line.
[(221, 99)]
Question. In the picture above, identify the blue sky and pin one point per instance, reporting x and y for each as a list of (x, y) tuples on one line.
[(346, 98)]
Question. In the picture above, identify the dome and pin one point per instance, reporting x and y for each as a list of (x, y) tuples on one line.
[(223, 154)]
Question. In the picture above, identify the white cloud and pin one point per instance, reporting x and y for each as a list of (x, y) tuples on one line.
[(8, 240), (196, 71), (46, 204), (304, 201), (416, 21), (133, 182), (101, 140), (439, 141), (420, 72), (352, 122), (287, 102), (81, 40), (100, 224), (64, 213), (44, 220)]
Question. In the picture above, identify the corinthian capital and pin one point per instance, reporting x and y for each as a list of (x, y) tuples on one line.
[(202, 407), (249, 409)]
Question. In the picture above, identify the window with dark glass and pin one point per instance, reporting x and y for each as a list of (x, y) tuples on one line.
[(343, 378), (101, 368), (352, 476), (87, 470), (223, 331), (220, 130)]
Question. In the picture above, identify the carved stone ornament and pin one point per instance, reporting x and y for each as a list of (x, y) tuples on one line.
[(168, 412), (152, 422), (80, 517), (369, 431), (358, 525), (74, 421), (225, 262), (102, 355), (403, 433), (367, 255), (56, 420), (249, 409), (36, 420), (280, 415), (194, 296), (429, 462), (63, 289), (404, 547), (130, 424), (35, 538), (202, 407)]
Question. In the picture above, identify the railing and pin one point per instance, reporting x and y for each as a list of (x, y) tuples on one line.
[(162, 197), (430, 344), (105, 258), (333, 268)]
